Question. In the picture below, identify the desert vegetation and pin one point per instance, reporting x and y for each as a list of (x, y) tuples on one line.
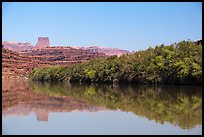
[(178, 63)]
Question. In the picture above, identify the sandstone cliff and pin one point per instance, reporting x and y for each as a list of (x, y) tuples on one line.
[(43, 42), (18, 59), (62, 56), (17, 46), (20, 64), (107, 51)]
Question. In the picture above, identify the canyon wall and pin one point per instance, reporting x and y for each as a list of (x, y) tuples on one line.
[(17, 46), (19, 59), (20, 64)]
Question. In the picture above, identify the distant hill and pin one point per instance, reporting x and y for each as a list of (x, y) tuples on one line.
[(107, 51), (17, 46), (43, 42)]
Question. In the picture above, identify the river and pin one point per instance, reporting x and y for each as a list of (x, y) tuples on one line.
[(62, 108)]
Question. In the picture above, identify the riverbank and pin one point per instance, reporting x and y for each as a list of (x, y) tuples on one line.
[(14, 77), (175, 64)]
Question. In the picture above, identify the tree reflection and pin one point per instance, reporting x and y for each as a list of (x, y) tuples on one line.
[(178, 105), (19, 99)]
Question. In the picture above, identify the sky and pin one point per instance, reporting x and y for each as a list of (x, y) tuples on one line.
[(131, 26)]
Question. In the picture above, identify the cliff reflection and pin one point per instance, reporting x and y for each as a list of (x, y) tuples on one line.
[(178, 105), (19, 99)]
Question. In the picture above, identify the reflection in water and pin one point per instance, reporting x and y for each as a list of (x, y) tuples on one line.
[(179, 105), (18, 99)]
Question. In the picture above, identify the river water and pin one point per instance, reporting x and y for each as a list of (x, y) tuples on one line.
[(62, 108)]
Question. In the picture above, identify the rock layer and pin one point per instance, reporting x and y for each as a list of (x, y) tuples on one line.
[(18, 59), (107, 51), (20, 64), (43, 42), (17, 46)]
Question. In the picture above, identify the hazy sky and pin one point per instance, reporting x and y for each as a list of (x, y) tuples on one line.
[(130, 26)]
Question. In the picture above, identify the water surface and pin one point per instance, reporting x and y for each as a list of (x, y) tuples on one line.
[(63, 108)]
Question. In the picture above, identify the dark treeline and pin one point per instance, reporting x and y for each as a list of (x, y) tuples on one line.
[(178, 63)]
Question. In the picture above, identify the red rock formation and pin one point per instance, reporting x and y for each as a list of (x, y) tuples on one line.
[(42, 115), (62, 56), (19, 99), (43, 42), (105, 50), (15, 65), (17, 46), (20, 64)]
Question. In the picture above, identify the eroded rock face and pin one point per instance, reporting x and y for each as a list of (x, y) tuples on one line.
[(107, 51), (43, 42), (20, 64), (17, 46), (15, 65), (62, 56)]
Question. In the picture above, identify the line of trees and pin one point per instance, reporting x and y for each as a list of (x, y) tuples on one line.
[(178, 63)]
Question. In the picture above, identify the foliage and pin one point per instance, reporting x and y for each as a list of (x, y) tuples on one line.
[(178, 63)]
